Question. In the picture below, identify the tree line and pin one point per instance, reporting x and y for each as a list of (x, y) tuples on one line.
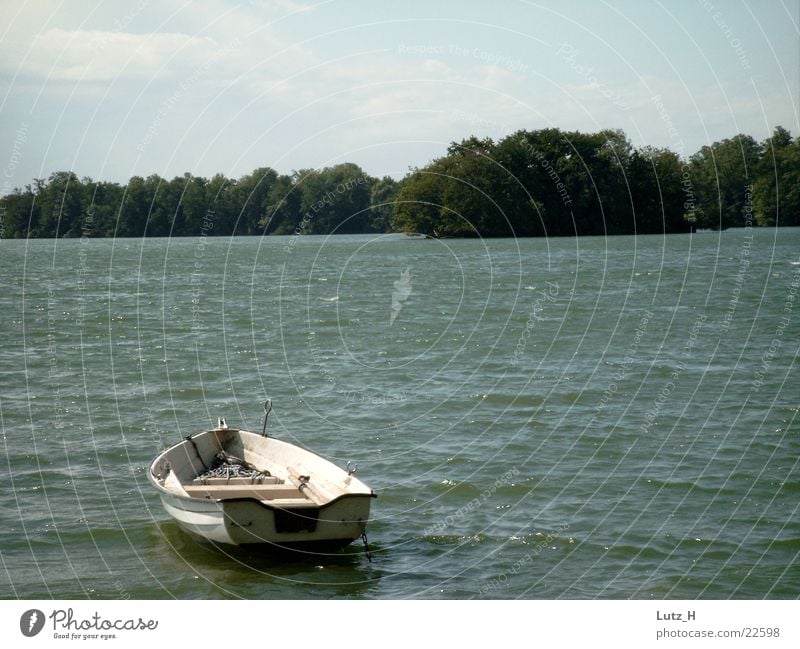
[(341, 198), (531, 183), (550, 182)]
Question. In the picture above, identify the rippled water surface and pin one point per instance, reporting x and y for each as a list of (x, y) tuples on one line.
[(564, 418)]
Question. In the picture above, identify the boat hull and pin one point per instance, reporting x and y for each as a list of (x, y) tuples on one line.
[(245, 521)]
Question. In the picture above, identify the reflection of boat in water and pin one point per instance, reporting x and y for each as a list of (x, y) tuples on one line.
[(239, 487)]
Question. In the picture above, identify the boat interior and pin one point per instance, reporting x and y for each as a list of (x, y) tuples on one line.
[(219, 467)]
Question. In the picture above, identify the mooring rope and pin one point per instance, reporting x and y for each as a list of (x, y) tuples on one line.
[(228, 466)]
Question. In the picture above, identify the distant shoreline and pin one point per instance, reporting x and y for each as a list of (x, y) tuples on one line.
[(400, 236), (543, 183)]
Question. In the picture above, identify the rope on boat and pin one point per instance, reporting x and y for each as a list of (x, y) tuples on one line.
[(229, 466)]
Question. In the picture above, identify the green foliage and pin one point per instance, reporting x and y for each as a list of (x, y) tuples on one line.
[(777, 189), (335, 200), (246, 201), (551, 182), (723, 174), (418, 206), (21, 214), (531, 183), (381, 201), (547, 182), (657, 191), (60, 205)]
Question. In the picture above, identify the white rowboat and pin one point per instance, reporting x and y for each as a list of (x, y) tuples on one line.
[(239, 487)]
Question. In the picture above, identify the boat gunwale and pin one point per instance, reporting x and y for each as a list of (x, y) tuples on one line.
[(366, 493)]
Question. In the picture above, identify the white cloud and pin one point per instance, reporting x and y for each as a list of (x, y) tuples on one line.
[(152, 40), (91, 55), (433, 68), (287, 6), (497, 78)]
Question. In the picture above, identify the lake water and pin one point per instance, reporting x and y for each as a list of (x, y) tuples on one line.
[(565, 418)]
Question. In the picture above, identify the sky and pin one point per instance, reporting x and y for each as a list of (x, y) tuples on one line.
[(110, 90)]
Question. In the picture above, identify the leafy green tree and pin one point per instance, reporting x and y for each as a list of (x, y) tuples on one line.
[(722, 175), (60, 205), (419, 206), (777, 189), (20, 213), (382, 197), (656, 190), (556, 174), (166, 202), (101, 204), (193, 208), (137, 203), (609, 167), (335, 199), (473, 197), (520, 193), (282, 214), (251, 199), (221, 208)]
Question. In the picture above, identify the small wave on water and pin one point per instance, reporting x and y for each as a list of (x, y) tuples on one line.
[(508, 399), (454, 539), (333, 323), (533, 539), (685, 486)]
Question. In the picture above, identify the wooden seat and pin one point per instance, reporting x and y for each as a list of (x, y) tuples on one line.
[(237, 481), (257, 491)]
